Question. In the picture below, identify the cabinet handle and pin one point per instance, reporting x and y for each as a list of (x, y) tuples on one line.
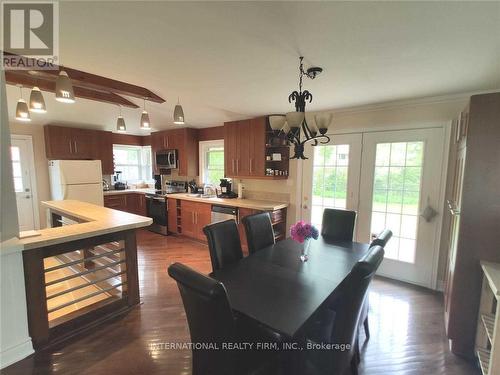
[(70, 147), (237, 166), (192, 217), (76, 147), (196, 217), (251, 165), (232, 163)]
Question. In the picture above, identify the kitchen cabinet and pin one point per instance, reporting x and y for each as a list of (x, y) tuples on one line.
[(68, 143), (173, 215), (245, 149), (195, 216), (243, 212), (134, 203), (185, 141), (103, 151)]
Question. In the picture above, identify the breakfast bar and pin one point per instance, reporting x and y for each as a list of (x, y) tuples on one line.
[(81, 271)]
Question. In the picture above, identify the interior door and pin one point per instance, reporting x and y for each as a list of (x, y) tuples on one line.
[(22, 153), (400, 177), (331, 176)]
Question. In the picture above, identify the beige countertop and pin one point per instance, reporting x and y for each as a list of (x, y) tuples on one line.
[(242, 203), (130, 191), (93, 221)]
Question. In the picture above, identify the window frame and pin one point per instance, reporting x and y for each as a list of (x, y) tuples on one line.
[(204, 146), (142, 165)]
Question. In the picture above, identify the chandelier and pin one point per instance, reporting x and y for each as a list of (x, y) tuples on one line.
[(294, 124)]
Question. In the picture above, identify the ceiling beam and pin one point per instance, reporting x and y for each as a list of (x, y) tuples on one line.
[(94, 82), (19, 78)]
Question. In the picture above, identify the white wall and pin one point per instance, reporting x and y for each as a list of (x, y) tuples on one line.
[(15, 343)]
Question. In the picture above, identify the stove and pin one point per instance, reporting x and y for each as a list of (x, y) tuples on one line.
[(157, 205)]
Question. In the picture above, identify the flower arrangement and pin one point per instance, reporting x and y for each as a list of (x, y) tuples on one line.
[(302, 231)]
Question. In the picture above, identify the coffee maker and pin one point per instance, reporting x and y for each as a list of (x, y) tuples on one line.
[(225, 188)]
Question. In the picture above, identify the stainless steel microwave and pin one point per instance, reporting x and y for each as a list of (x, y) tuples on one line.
[(166, 159)]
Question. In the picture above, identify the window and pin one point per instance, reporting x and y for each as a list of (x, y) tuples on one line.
[(134, 162), (16, 169), (211, 162)]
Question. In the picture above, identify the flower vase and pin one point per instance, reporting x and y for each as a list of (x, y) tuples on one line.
[(304, 255)]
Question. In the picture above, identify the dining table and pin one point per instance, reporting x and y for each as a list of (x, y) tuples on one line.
[(276, 288)]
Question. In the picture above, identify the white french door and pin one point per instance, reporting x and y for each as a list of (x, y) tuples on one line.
[(331, 176), (401, 175), (24, 182), (389, 178)]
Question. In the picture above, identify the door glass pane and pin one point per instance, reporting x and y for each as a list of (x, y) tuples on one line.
[(330, 168), (396, 196), (16, 169)]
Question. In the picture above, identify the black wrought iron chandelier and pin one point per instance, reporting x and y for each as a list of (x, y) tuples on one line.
[(293, 122)]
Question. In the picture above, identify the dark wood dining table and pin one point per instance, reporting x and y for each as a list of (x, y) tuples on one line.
[(274, 287)]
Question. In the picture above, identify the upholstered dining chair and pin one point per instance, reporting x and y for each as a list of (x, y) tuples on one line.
[(380, 240), (338, 324), (211, 321), (338, 224), (223, 243), (259, 231)]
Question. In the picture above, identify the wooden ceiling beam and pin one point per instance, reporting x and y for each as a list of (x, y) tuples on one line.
[(19, 78), (95, 82)]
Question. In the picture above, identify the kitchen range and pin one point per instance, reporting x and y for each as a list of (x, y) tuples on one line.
[(157, 204)]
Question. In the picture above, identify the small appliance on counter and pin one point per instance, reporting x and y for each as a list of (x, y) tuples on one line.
[(119, 184), (105, 185), (225, 188), (194, 188)]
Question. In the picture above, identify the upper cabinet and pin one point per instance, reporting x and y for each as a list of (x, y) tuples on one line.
[(63, 143), (185, 141), (249, 152)]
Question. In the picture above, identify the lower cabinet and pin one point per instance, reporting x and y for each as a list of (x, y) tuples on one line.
[(241, 228), (194, 216), (134, 203), (173, 215)]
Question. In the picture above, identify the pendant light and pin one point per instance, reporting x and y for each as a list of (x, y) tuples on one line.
[(120, 123), (64, 88), (37, 103), (178, 114), (145, 124), (22, 111)]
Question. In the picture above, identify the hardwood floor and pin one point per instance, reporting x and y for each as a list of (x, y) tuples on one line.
[(407, 328)]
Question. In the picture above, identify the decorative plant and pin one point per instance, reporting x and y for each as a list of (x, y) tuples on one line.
[(302, 231)]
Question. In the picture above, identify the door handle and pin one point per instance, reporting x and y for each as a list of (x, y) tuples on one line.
[(305, 207), (27, 196)]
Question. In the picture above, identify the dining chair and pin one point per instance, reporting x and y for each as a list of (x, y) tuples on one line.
[(338, 324), (338, 224), (380, 240), (259, 231), (213, 324), (223, 243)]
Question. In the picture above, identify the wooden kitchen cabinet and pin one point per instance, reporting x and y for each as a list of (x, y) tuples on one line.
[(103, 151), (68, 143), (243, 212), (172, 215), (185, 141), (134, 203), (116, 201), (195, 216), (245, 149)]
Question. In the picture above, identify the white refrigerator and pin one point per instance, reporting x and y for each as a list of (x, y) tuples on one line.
[(76, 179)]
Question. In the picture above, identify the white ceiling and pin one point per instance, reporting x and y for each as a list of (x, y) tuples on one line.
[(234, 60)]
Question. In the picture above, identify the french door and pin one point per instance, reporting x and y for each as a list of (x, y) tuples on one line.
[(331, 176), (389, 178)]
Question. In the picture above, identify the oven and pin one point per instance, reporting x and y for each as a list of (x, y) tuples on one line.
[(166, 159), (156, 207)]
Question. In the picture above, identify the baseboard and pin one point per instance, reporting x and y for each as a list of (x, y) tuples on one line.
[(16, 353), (440, 285)]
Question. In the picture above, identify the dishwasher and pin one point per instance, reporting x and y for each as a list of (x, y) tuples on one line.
[(222, 213)]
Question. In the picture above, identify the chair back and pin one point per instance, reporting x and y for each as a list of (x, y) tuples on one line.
[(382, 238), (223, 243), (209, 317), (259, 231), (338, 224), (352, 292)]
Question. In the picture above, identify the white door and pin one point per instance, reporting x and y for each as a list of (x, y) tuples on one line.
[(333, 169), (401, 175), (24, 182)]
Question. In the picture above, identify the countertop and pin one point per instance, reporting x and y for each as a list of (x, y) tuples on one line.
[(241, 203), (129, 191), (95, 221), (492, 273)]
